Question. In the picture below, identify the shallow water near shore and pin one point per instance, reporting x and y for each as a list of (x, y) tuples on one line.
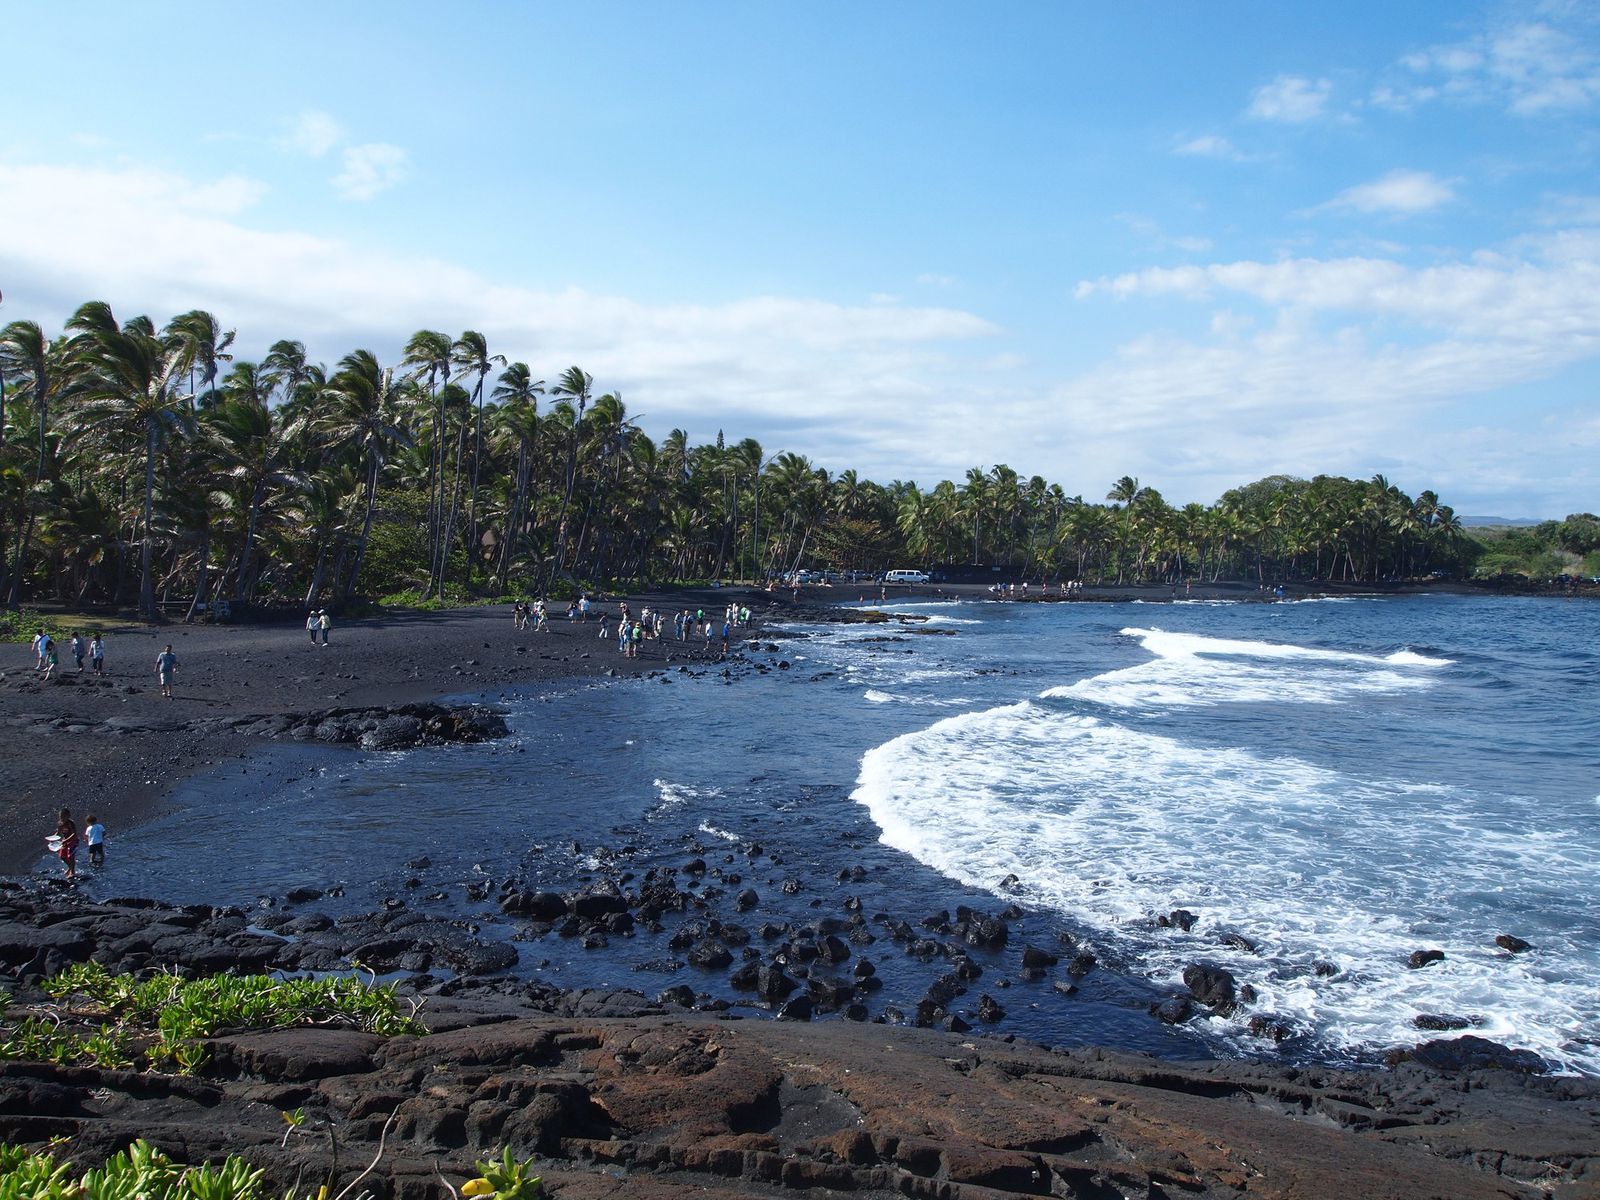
[(1339, 783)]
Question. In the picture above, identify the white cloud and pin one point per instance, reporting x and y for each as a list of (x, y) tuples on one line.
[(227, 196), (371, 168), (1400, 191), (1290, 98), (1355, 354), (930, 279), (1300, 365), (1531, 67), (1209, 146), (882, 387), (314, 133)]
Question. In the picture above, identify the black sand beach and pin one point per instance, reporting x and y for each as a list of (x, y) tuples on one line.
[(629, 1095)]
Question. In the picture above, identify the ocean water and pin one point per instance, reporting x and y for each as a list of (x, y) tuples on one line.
[(1339, 783)]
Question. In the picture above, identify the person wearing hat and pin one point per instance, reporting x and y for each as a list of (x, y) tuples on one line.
[(312, 626), (324, 624)]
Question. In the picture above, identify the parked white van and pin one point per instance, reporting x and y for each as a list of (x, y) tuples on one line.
[(906, 577)]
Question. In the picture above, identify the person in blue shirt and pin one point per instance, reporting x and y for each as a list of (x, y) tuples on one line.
[(166, 664)]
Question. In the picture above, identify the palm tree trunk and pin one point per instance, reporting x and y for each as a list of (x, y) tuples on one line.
[(566, 505), (147, 595), (514, 521), (316, 574), (201, 573), (477, 456), (450, 523), (366, 526), (249, 542)]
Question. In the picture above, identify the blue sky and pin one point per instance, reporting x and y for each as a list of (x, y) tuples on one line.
[(1193, 243)]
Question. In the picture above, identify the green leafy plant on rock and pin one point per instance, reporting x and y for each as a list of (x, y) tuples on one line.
[(504, 1178), (106, 1020)]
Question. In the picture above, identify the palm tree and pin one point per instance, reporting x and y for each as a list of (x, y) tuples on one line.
[(132, 388), (428, 353), (364, 415), (205, 345), (253, 446), (285, 364), (27, 353), (471, 354), (975, 501), (574, 385), (516, 395)]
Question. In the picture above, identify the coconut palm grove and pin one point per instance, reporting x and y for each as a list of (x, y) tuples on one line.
[(146, 464)]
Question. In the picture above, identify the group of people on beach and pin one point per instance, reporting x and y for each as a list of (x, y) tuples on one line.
[(634, 630), (538, 612), (1010, 591), (317, 625), (651, 625), (93, 648), (66, 841)]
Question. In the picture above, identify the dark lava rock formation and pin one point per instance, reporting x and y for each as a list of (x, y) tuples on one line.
[(621, 1096)]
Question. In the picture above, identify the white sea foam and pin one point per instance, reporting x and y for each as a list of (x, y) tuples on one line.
[(676, 795), (874, 696), (1191, 669), (1110, 825), (711, 830)]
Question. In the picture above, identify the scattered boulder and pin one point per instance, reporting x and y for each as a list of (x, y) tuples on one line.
[(797, 1008), (1175, 1011), (1512, 944), (711, 955), (1211, 986), (1470, 1053), (541, 906), (1423, 958), (1442, 1022), (1033, 957)]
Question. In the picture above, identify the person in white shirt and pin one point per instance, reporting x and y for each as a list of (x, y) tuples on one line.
[(94, 834)]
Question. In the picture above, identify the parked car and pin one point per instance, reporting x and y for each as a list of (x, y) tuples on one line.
[(906, 577)]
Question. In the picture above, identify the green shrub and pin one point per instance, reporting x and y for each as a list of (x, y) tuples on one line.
[(141, 1172), (21, 625), (106, 1018)]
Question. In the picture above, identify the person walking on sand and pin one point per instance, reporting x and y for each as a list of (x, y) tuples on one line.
[(604, 617), (311, 625), (67, 851), (79, 648), (324, 623), (583, 605), (97, 653), (166, 664), (94, 835), (50, 659)]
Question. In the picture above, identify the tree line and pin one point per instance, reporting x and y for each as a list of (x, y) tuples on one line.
[(146, 463)]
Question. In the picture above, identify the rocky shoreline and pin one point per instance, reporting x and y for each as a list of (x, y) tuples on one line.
[(621, 1094)]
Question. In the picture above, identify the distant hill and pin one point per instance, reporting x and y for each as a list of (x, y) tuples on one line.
[(1480, 522)]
